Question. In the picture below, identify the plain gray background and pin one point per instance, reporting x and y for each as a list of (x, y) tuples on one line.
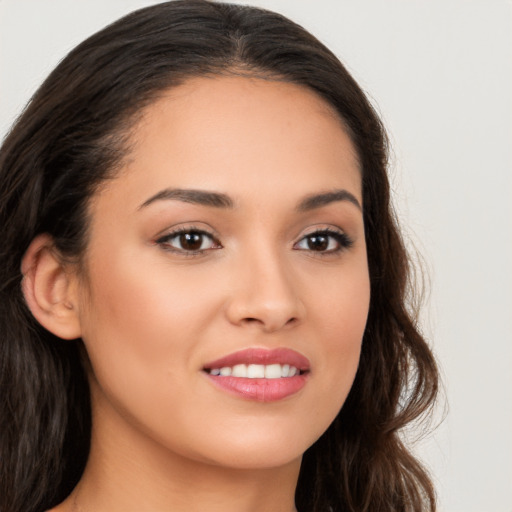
[(440, 73)]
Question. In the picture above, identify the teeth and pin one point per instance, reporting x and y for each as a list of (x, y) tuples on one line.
[(273, 371), (239, 370), (256, 371)]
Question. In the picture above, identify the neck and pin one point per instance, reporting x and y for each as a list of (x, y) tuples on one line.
[(187, 487)]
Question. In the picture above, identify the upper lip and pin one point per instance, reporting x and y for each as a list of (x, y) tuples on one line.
[(262, 356)]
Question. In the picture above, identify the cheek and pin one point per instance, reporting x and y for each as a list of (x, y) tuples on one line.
[(140, 337), (341, 310), (144, 318), (132, 298)]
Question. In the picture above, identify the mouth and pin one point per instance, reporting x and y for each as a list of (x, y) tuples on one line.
[(257, 371), (259, 374)]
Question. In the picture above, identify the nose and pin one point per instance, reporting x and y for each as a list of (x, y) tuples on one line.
[(265, 294)]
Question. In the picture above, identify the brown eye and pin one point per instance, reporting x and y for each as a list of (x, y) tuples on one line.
[(191, 241), (318, 242), (324, 241), (188, 241)]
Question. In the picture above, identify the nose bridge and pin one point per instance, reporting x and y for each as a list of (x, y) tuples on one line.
[(265, 292)]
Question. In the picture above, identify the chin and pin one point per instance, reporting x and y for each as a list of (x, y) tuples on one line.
[(258, 448), (252, 458)]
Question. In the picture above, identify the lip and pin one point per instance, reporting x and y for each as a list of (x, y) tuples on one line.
[(262, 356), (261, 390)]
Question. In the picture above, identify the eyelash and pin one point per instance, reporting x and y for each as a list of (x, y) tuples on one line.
[(165, 241), (342, 241)]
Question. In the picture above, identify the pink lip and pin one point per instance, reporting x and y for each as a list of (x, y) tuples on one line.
[(261, 390), (262, 356)]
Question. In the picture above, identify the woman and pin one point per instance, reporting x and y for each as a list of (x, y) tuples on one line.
[(203, 285)]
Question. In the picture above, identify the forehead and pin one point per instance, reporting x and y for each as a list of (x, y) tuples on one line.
[(240, 135)]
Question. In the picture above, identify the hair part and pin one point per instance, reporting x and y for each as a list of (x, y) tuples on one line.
[(74, 135)]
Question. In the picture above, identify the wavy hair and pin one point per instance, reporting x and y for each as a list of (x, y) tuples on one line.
[(72, 136)]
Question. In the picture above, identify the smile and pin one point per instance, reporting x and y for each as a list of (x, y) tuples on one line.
[(256, 371), (259, 374)]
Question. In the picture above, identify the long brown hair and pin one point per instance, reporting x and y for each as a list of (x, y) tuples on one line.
[(72, 136)]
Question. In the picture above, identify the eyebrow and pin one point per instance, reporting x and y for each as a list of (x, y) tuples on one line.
[(318, 200), (200, 197), (219, 200)]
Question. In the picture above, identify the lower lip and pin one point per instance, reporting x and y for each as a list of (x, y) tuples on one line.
[(260, 390)]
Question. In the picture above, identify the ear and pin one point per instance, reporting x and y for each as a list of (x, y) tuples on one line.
[(50, 289)]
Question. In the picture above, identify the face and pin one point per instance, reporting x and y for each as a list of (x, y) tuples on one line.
[(226, 289)]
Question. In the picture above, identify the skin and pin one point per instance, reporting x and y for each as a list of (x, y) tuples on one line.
[(152, 313)]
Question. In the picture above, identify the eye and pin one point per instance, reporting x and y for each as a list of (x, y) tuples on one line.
[(190, 241), (324, 241)]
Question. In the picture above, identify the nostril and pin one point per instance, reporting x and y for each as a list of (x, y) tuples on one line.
[(251, 320), (270, 324)]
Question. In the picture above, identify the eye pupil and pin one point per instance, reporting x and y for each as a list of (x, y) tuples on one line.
[(191, 241), (318, 243)]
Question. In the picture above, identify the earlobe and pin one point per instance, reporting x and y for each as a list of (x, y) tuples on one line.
[(50, 289)]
